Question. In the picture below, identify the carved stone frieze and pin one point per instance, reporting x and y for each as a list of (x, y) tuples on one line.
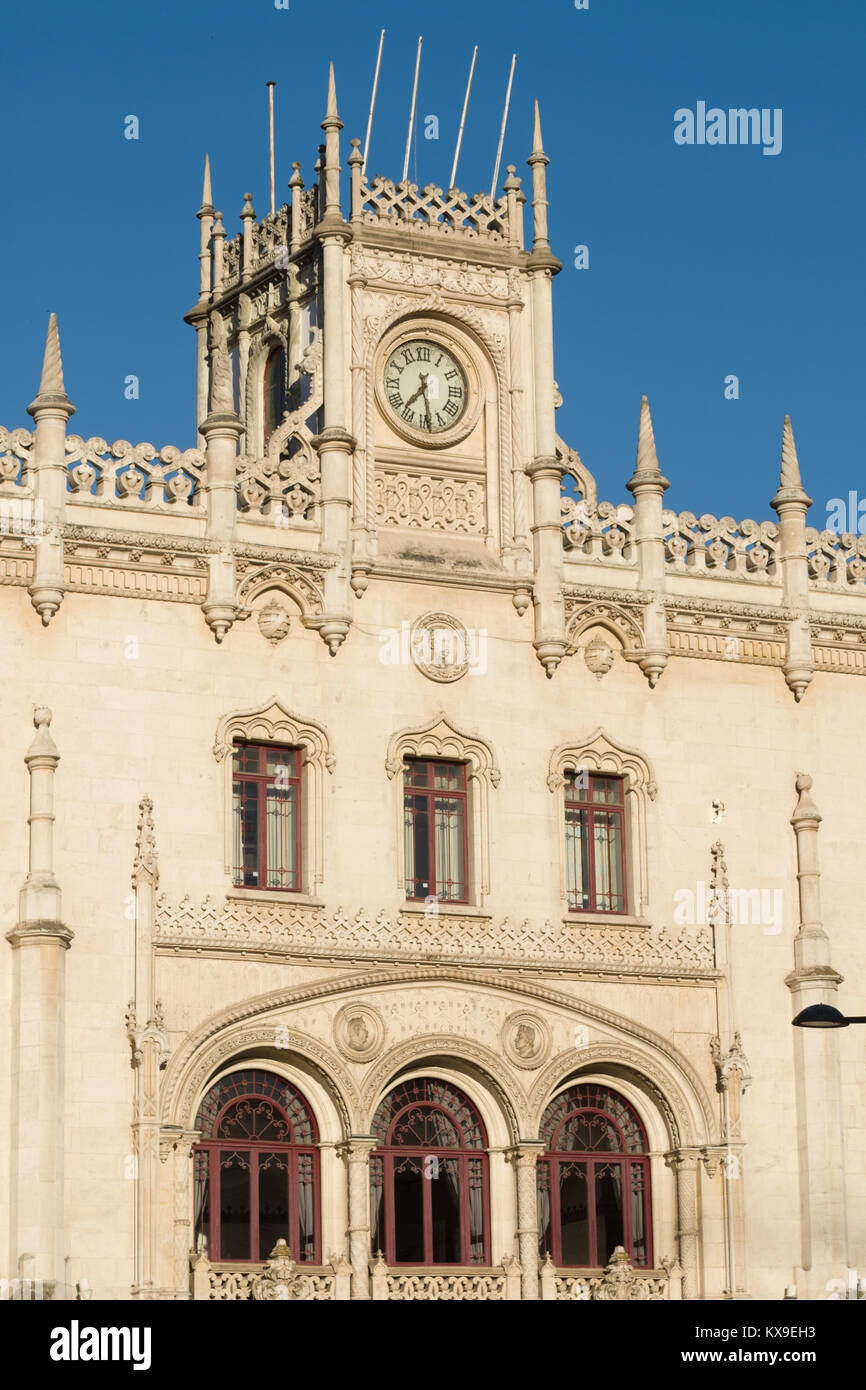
[(430, 503), (276, 930), (394, 268)]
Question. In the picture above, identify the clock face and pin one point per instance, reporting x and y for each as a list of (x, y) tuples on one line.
[(424, 386)]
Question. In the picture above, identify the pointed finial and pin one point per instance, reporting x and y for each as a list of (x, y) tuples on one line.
[(647, 458), (790, 474), (331, 116), (206, 196), (51, 383), (248, 210), (52, 392), (537, 146)]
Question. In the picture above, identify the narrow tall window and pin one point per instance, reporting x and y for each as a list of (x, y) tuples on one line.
[(434, 830), (595, 843), (428, 1177), (257, 1169), (593, 1180), (266, 787), (275, 391)]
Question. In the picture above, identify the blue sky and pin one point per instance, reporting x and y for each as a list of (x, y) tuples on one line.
[(703, 261)]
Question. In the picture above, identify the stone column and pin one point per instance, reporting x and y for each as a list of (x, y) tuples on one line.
[(648, 485), (149, 1051), (221, 430), (823, 1218), (525, 1159), (791, 503), (39, 943), (545, 470), (356, 1151), (334, 444), (51, 409), (684, 1163)]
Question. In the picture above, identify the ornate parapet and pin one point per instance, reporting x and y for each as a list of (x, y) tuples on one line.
[(619, 1282), (470, 1286), (278, 1279), (720, 547), (274, 930), (431, 212)]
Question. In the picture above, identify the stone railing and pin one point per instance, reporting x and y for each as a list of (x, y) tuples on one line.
[(496, 1285), (285, 489), (270, 237), (278, 1278), (720, 546), (273, 929), (133, 475), (600, 531), (836, 561), (619, 1281), (15, 446), (430, 210)]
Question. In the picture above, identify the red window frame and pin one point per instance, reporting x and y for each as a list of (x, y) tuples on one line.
[(631, 1158), (581, 799), (470, 1156), (261, 780), (273, 392), (430, 793), (260, 1089)]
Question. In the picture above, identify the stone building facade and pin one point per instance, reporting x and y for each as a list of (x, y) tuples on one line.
[(417, 861)]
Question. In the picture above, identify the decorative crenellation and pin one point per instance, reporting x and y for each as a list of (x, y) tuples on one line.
[(429, 210), (124, 473), (271, 929), (15, 450), (720, 546)]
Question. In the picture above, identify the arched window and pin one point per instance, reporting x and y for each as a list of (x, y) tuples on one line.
[(274, 391), (593, 1179), (428, 1177), (257, 1169)]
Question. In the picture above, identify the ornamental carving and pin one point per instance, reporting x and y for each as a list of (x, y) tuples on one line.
[(526, 1040), (430, 503), (440, 647), (274, 620), (359, 1032), (598, 656)]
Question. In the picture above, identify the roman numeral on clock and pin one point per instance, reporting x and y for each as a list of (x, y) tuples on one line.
[(396, 400)]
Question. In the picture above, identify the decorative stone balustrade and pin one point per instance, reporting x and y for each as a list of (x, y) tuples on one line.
[(279, 1278), (430, 210), (720, 546), (836, 561), (618, 1282), (598, 531), (286, 488), (123, 474), (425, 1286), (15, 446)]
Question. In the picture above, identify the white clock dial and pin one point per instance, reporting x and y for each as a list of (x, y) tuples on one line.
[(424, 386)]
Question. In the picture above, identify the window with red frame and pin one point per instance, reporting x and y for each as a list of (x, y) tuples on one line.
[(595, 843), (428, 1177), (274, 391), (257, 1170), (434, 830), (593, 1180), (267, 846)]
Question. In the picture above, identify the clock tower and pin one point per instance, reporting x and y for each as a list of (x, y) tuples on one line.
[(388, 375)]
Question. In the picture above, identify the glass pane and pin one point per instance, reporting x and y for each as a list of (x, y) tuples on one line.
[(608, 1210), (450, 868), (638, 1213), (448, 776), (576, 859), (445, 1204), (408, 1212), (574, 1213), (417, 822), (306, 1209), (607, 790), (477, 1251), (607, 846), (202, 1195), (377, 1204), (235, 1206), (246, 758), (281, 763), (416, 774), (281, 809), (249, 800), (273, 1202), (544, 1227)]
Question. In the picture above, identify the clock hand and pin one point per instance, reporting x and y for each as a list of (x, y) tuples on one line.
[(418, 393), (424, 380)]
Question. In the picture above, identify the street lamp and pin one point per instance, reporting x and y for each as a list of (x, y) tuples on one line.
[(823, 1016)]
